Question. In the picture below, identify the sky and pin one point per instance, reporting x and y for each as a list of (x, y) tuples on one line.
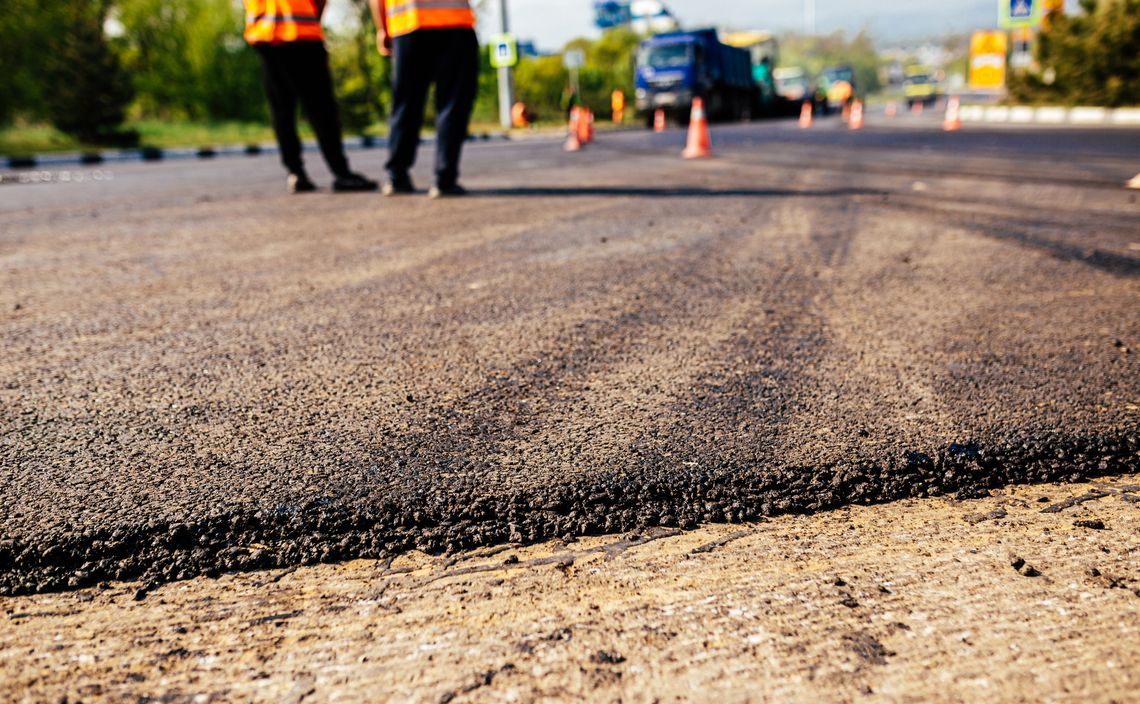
[(553, 22)]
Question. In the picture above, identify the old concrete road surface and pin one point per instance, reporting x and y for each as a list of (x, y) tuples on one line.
[(200, 373)]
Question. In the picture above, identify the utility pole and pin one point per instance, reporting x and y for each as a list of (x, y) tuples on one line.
[(506, 90), (809, 17)]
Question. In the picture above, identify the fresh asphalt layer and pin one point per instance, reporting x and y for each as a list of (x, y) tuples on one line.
[(200, 373)]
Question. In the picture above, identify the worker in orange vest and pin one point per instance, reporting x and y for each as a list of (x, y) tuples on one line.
[(295, 67), (617, 103), (433, 41)]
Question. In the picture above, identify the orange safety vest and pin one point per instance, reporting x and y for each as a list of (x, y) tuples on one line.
[(282, 21), (406, 16)]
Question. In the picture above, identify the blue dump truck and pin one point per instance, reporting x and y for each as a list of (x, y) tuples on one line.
[(674, 68)]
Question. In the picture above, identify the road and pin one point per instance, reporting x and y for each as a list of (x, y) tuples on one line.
[(201, 373)]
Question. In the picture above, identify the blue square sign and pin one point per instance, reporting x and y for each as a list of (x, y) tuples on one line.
[(1018, 14)]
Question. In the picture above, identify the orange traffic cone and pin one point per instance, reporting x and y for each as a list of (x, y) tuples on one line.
[(892, 109), (573, 141), (845, 115), (916, 107), (699, 143), (659, 120), (856, 122), (584, 125), (953, 119), (805, 115)]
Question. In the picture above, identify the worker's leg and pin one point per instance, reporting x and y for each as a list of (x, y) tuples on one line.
[(411, 74), (282, 105), (456, 82), (315, 89)]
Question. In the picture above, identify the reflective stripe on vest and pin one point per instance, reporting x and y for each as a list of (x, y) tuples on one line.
[(406, 16), (281, 21)]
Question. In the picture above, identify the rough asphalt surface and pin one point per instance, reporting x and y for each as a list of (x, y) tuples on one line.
[(199, 373)]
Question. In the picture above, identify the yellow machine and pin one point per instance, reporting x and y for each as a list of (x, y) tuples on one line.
[(920, 85)]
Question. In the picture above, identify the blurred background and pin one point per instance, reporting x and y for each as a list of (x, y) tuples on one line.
[(120, 73)]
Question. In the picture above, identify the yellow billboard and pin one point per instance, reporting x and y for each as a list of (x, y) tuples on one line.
[(987, 60)]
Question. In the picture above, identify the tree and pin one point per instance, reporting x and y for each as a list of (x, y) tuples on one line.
[(540, 82), (88, 90), (188, 60), (30, 32), (1090, 58), (362, 77)]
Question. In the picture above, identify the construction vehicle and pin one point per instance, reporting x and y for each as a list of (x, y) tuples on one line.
[(920, 86), (674, 68), (838, 83), (792, 84)]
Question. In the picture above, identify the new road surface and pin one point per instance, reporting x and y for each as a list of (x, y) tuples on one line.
[(200, 373)]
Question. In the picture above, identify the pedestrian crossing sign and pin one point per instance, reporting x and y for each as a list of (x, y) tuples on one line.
[(504, 51), (1019, 14)]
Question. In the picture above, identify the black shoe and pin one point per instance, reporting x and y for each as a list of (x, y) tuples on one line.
[(399, 186), (351, 182), (452, 191), (299, 183)]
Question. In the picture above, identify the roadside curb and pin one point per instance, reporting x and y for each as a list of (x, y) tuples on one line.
[(1050, 115), (153, 154)]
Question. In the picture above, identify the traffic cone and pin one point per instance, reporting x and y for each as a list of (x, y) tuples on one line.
[(953, 119), (659, 120), (892, 109), (856, 122), (845, 115), (699, 145), (916, 107), (584, 125), (1134, 182), (573, 141), (806, 115)]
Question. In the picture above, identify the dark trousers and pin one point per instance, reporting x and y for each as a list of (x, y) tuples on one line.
[(450, 59), (299, 71)]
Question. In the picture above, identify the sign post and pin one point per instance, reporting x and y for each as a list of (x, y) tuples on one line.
[(573, 60), (506, 90)]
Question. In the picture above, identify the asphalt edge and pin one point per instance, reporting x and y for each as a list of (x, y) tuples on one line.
[(326, 531)]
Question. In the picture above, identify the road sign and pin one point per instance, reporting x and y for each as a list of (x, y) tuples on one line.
[(504, 51), (987, 60), (573, 59), (1019, 13), (611, 13)]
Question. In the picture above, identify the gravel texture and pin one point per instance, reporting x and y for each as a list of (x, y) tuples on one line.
[(913, 601)]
